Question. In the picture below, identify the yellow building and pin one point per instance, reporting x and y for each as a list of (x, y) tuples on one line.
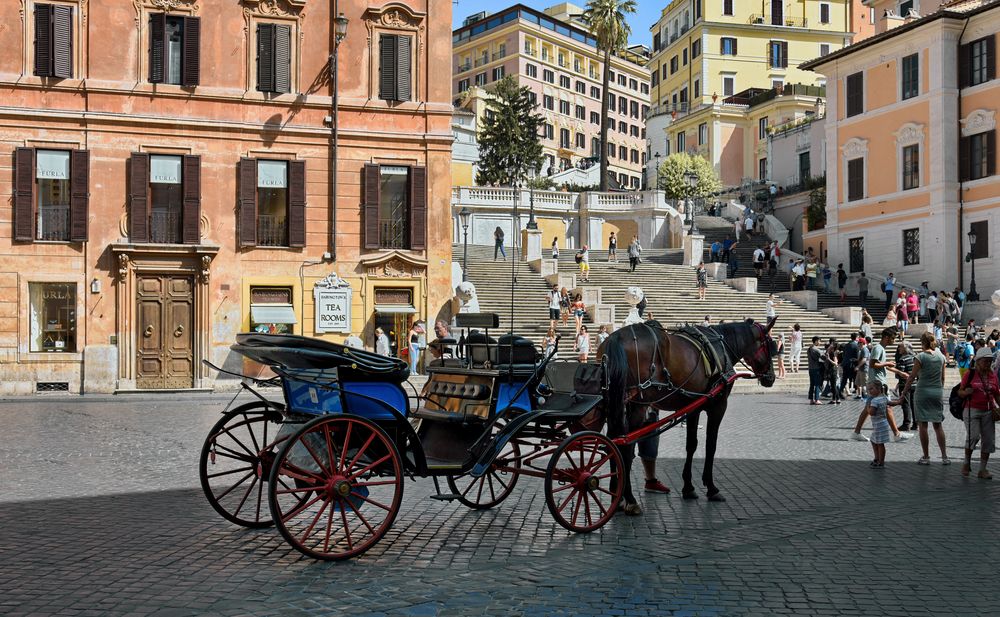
[(552, 53), (911, 148), (707, 51)]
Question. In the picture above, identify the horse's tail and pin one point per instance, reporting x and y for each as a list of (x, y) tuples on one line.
[(616, 365)]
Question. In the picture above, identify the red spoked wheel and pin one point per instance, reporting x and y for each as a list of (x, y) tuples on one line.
[(346, 480), (584, 482), (494, 486), (236, 461)]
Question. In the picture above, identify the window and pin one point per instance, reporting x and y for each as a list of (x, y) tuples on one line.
[(702, 133), (498, 73), (564, 107), (634, 155), (824, 13), (681, 145), (50, 195), (481, 79), (531, 70), (595, 118), (611, 151), (911, 247), (727, 7), (673, 65), (622, 105), (595, 92), (824, 49), (684, 57), (855, 94), (395, 207), (664, 71), (595, 147), (53, 317), (805, 167), (581, 141), (977, 62), (463, 85), (54, 40), (911, 76), (564, 82), (633, 84), (911, 167), (548, 102), (644, 88), (762, 169), (533, 97), (581, 88), (272, 202), (777, 54), (622, 80), (633, 130), (271, 310), (548, 76), (274, 61), (762, 128), (695, 49), (549, 131), (623, 127), (581, 113), (855, 179), (728, 85), (633, 109), (174, 43), (656, 42), (564, 138), (164, 198), (856, 254), (777, 84), (611, 124), (982, 248), (728, 46), (697, 10), (697, 88), (977, 156), (623, 153), (684, 96), (905, 6)]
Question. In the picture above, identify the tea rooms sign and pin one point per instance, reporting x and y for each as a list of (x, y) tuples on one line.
[(332, 296)]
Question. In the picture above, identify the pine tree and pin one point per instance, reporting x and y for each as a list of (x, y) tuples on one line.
[(509, 140)]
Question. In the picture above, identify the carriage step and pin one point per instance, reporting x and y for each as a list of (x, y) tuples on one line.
[(446, 496)]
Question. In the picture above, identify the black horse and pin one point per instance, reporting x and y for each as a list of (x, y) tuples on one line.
[(649, 366)]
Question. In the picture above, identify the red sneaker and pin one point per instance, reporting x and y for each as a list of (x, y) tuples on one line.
[(655, 486)]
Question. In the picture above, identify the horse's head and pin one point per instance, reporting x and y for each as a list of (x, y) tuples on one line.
[(759, 351)]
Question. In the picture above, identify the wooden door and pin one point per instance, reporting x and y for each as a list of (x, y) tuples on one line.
[(165, 341), (777, 13)]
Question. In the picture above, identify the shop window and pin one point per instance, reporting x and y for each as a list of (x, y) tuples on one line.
[(51, 195), (53, 317), (272, 310)]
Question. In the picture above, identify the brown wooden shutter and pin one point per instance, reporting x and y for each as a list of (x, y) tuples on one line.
[(79, 195), (784, 54), (62, 41), (265, 58), (964, 158), (191, 44), (43, 40), (191, 214), (24, 203), (296, 203), (735, 43), (387, 67), (991, 153), (138, 198), (964, 65), (770, 53), (248, 201), (157, 47), (283, 59), (418, 208), (403, 64), (991, 57), (370, 181)]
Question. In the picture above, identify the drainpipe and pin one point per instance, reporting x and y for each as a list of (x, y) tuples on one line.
[(961, 188), (334, 129)]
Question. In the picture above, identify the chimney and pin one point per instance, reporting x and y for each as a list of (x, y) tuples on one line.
[(891, 20)]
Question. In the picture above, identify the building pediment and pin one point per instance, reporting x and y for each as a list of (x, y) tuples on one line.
[(393, 264), (394, 15), (979, 121), (855, 147)]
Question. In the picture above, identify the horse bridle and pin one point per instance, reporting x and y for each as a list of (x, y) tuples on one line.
[(764, 348)]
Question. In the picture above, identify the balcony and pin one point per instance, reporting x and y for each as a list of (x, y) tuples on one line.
[(786, 21), (498, 55), (563, 63), (531, 52), (680, 108), (464, 67), (165, 227), (271, 230), (482, 61), (53, 223)]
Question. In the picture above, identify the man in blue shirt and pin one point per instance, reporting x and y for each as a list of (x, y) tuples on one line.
[(715, 250)]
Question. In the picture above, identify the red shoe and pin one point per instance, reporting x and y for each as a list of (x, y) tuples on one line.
[(655, 486)]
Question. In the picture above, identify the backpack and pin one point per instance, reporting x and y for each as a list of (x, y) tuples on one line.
[(956, 404), (962, 353), (579, 257), (882, 286)]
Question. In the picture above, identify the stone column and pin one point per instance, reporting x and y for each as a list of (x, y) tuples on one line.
[(694, 249), (531, 243)]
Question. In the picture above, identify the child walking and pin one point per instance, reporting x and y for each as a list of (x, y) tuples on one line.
[(878, 410)]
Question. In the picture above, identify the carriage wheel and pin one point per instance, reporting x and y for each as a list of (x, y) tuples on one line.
[(346, 480), (584, 482), (236, 460), (494, 486)]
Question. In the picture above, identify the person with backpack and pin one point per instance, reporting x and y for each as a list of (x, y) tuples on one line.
[(498, 243), (583, 258), (964, 354), (842, 282), (981, 391), (634, 251), (889, 287), (926, 381)]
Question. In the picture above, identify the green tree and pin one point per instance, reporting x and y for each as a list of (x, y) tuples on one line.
[(607, 22), (509, 145), (672, 176), (816, 211)]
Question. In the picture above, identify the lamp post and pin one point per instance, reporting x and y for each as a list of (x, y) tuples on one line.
[(973, 294), (340, 32), (656, 172), (463, 216), (692, 180), (532, 224)]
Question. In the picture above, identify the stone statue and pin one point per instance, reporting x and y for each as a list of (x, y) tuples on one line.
[(994, 322), (466, 294), (634, 296)]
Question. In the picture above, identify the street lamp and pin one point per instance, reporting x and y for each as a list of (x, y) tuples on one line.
[(692, 180), (532, 224), (463, 216), (340, 32), (656, 173), (973, 295)]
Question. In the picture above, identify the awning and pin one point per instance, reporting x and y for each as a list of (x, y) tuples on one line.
[(272, 313), (388, 309)]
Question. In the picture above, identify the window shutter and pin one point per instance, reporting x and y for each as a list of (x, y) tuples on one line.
[(403, 64), (296, 203), (964, 66), (248, 201), (24, 203), (991, 153), (735, 41), (265, 58), (79, 195), (191, 64), (418, 207), (62, 41), (191, 214), (138, 198), (784, 54), (387, 67), (157, 46), (964, 158), (371, 203), (991, 57), (43, 40), (770, 54), (283, 59)]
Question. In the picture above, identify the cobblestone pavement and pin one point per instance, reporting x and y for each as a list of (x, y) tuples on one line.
[(101, 514)]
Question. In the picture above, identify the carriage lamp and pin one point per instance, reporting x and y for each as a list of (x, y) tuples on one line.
[(973, 294), (463, 216), (341, 27)]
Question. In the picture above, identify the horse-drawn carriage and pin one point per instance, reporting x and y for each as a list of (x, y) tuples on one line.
[(326, 465)]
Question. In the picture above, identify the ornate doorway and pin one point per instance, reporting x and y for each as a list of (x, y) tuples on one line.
[(165, 333)]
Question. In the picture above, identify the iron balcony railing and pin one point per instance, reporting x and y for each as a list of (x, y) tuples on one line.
[(531, 52), (778, 20), (271, 230), (482, 61), (498, 55), (165, 227), (464, 67), (393, 234), (53, 223)]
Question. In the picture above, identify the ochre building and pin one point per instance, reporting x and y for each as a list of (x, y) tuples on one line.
[(167, 180)]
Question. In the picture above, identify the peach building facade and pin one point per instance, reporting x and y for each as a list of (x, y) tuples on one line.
[(167, 180), (911, 150)]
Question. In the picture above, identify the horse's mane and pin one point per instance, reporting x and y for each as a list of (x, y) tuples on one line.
[(739, 335)]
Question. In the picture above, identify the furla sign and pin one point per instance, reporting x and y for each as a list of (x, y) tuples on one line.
[(332, 298)]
